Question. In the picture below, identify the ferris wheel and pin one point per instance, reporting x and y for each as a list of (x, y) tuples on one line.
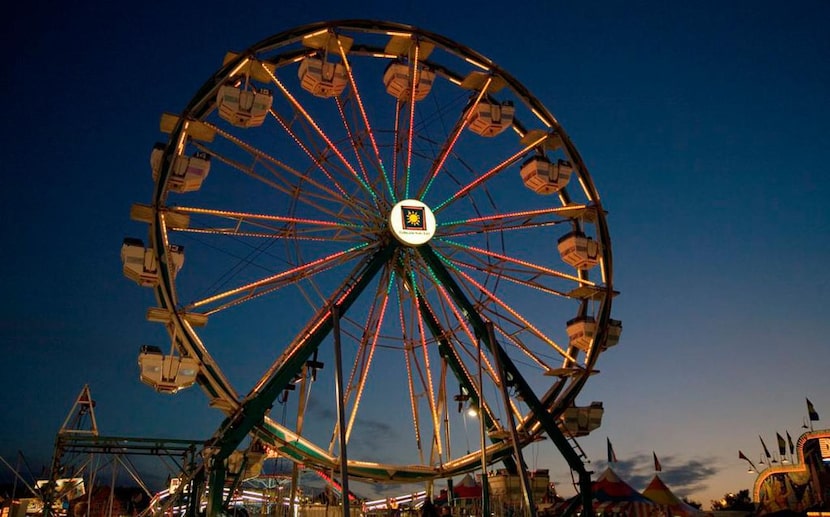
[(375, 196)]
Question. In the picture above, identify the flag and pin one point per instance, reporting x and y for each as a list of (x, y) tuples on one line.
[(612, 458), (782, 446), (790, 442), (741, 456), (766, 451), (657, 466), (811, 411)]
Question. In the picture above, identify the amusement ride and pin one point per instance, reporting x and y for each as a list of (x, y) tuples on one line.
[(359, 230)]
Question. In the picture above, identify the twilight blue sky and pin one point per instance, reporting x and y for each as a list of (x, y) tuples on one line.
[(703, 126)]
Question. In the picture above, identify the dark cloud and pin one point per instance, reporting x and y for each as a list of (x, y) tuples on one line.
[(683, 477), (370, 439), (316, 410), (374, 439)]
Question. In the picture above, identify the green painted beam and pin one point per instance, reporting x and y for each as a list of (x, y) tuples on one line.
[(536, 407), (253, 410)]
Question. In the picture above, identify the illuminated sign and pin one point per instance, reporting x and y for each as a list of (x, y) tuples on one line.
[(824, 447), (412, 222)]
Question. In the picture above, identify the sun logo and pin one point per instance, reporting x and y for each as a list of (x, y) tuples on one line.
[(413, 218)]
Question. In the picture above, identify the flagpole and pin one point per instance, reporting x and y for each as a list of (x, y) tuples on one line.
[(14, 486), (485, 488)]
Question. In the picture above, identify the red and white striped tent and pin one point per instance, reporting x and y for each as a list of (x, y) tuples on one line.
[(613, 496), (611, 508), (658, 492)]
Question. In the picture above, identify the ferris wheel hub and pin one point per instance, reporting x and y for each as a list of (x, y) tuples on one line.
[(412, 222)]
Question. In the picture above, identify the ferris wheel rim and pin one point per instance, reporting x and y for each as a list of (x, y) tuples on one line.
[(189, 340)]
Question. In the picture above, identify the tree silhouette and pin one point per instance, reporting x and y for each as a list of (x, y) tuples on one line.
[(692, 503), (740, 502)]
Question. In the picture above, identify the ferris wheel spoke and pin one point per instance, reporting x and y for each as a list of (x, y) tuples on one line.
[(490, 173), (413, 403), (512, 337), (409, 347), (233, 302), (295, 227), (281, 182), (317, 156), (530, 268), (321, 323), (418, 326), (413, 328), (477, 354), (356, 93), (372, 334), (449, 143), (366, 351), (356, 145), (395, 141), (413, 77), (331, 168), (512, 311), (273, 282), (500, 229), (349, 208), (451, 347), (463, 368), (318, 129), (504, 275), (363, 356), (268, 236), (529, 219)]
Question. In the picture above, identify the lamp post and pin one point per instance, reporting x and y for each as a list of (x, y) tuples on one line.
[(485, 492)]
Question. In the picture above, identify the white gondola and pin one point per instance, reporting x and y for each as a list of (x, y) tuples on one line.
[(396, 80), (579, 421), (140, 264), (581, 331), (491, 118), (166, 373), (322, 78), (250, 460), (188, 171), (614, 332), (544, 177), (243, 107), (175, 254), (579, 250)]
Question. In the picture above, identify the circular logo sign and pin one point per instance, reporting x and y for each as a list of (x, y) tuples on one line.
[(412, 222)]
